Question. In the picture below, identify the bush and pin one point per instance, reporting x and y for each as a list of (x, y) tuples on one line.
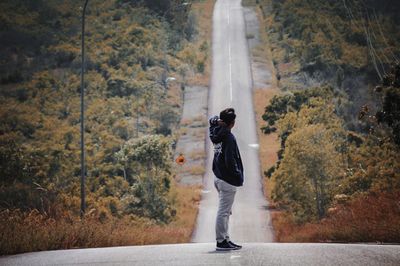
[(147, 163), (365, 218), (200, 66)]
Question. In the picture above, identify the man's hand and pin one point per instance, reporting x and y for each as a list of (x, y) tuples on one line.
[(222, 123)]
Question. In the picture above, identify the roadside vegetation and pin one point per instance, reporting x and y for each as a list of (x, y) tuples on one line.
[(335, 184), (131, 120), (336, 63)]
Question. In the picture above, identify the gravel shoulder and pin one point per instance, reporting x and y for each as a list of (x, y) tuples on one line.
[(191, 143)]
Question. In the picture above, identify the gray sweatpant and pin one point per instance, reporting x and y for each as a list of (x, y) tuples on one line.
[(226, 193)]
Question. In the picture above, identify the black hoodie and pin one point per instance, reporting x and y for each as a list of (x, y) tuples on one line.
[(227, 163)]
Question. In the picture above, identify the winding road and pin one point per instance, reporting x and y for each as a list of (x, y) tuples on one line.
[(231, 86)]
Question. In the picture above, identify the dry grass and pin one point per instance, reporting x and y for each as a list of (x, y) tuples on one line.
[(200, 118), (263, 51), (188, 198), (204, 12), (33, 231), (186, 122), (269, 144), (25, 232), (366, 218), (198, 121), (183, 131), (174, 95), (197, 170), (197, 154), (199, 134)]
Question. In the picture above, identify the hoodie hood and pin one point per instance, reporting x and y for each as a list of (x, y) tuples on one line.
[(227, 163)]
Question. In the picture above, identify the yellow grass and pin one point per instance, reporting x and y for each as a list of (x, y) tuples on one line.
[(372, 217), (197, 154), (199, 134), (188, 198), (203, 11), (197, 170), (269, 144), (33, 231), (183, 131)]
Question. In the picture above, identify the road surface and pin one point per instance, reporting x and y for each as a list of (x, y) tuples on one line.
[(204, 254), (231, 86)]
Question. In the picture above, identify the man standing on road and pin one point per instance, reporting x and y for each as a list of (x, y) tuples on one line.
[(228, 170)]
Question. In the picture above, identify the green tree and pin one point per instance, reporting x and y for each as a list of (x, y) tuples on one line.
[(282, 104), (146, 165), (309, 172), (313, 154)]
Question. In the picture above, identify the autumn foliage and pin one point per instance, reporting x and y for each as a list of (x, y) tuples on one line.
[(331, 183), (373, 217), (24, 231), (337, 118), (132, 111)]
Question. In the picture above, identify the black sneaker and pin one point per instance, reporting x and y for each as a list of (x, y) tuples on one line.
[(224, 245), (235, 245)]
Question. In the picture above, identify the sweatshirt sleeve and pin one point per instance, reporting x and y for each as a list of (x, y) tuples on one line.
[(216, 132), (213, 120), (230, 161)]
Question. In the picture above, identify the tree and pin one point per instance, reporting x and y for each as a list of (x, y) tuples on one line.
[(390, 101), (311, 159), (146, 165), (309, 172), (282, 104)]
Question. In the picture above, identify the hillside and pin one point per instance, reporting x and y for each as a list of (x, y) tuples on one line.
[(140, 55), (337, 118), (315, 42)]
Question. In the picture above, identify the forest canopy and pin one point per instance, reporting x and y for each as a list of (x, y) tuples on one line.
[(132, 47), (337, 119)]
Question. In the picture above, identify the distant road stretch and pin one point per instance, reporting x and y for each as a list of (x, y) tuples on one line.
[(231, 86)]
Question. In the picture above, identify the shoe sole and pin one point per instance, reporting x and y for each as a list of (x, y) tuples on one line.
[(235, 246), (226, 249)]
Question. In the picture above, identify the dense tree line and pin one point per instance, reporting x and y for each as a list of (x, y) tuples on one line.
[(132, 47), (321, 163), (339, 136), (348, 44)]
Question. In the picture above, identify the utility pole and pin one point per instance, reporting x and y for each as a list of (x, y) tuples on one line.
[(83, 204)]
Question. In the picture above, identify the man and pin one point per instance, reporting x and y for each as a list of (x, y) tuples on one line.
[(228, 170)]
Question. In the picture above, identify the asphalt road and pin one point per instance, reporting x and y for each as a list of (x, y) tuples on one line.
[(231, 86), (205, 254)]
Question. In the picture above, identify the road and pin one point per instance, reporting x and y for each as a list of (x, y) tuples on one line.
[(205, 254), (231, 86)]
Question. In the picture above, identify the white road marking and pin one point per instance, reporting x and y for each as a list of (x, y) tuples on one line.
[(254, 145), (229, 15), (235, 256), (230, 71), (230, 57)]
